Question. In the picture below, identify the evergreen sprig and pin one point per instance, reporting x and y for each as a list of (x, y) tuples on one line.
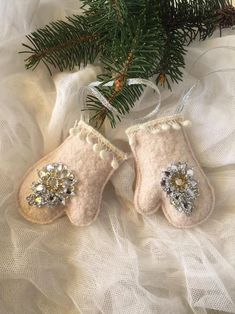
[(131, 39), (62, 45)]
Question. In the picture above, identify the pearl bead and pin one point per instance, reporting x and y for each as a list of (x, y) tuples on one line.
[(114, 164), (176, 126), (165, 127), (73, 131), (104, 154), (89, 140), (97, 148), (186, 123)]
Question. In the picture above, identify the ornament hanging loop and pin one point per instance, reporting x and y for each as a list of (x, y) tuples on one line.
[(92, 88)]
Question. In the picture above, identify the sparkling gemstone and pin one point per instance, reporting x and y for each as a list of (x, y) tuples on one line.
[(190, 172), (64, 173), (173, 168), (193, 183), (39, 188), (179, 182), (190, 192), (50, 167), (59, 167), (38, 200), (42, 174), (53, 183), (183, 167), (67, 182)]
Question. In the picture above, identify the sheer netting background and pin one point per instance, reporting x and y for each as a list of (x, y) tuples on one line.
[(123, 263)]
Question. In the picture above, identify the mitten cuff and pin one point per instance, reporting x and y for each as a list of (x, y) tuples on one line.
[(160, 124), (101, 145)]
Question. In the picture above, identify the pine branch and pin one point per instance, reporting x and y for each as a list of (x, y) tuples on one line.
[(195, 18), (63, 45), (172, 60), (136, 56), (186, 21), (226, 17), (131, 39)]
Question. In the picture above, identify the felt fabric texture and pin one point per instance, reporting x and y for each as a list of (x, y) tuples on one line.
[(92, 159), (156, 145)]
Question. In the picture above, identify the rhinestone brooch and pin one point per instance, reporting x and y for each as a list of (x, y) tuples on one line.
[(55, 185), (180, 186)]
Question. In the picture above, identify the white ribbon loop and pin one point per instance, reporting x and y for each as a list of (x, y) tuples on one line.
[(134, 81)]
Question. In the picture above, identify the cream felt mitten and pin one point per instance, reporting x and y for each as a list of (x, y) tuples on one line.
[(70, 180), (168, 173)]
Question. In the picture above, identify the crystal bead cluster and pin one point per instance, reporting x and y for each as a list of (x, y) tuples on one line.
[(180, 186), (55, 185)]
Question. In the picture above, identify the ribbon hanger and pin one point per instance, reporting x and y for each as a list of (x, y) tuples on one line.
[(95, 92)]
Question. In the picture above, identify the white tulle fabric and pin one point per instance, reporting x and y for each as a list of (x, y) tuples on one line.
[(122, 263)]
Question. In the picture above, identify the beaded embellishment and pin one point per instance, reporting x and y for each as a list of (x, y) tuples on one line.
[(55, 185), (180, 186)]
